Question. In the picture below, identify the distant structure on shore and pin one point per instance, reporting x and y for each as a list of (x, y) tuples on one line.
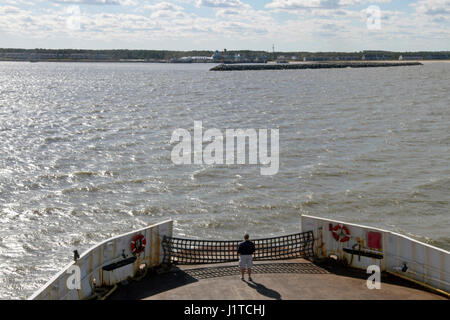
[(236, 57), (224, 56), (194, 59)]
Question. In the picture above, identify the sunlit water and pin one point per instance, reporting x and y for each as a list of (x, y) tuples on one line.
[(85, 155)]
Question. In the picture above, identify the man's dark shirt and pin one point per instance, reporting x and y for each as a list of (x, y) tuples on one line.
[(246, 247)]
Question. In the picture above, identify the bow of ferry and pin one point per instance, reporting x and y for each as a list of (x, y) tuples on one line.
[(326, 259)]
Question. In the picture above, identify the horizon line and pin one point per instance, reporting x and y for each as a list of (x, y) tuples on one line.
[(254, 50)]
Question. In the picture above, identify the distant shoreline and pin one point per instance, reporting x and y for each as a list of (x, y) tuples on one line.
[(268, 63), (86, 61), (212, 56)]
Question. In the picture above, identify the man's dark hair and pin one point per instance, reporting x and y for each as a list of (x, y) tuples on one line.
[(246, 236)]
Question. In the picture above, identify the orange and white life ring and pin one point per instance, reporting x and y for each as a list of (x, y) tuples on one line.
[(340, 232), (138, 244)]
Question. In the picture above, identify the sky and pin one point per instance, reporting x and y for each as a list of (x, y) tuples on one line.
[(289, 25)]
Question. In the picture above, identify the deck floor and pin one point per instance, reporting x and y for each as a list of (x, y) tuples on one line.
[(281, 280)]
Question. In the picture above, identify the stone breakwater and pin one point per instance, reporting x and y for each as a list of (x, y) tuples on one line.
[(294, 66)]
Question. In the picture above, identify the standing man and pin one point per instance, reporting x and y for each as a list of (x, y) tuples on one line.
[(245, 250)]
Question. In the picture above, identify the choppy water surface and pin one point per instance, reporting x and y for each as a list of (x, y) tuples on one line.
[(85, 155)]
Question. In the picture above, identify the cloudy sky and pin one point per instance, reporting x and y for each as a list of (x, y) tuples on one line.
[(292, 25)]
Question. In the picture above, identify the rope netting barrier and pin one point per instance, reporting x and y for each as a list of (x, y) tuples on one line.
[(191, 251)]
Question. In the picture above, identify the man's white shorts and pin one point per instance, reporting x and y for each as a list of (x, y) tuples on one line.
[(245, 261)]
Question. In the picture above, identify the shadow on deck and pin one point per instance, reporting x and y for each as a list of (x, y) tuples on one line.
[(288, 280)]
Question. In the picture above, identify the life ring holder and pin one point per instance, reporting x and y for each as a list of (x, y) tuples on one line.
[(138, 244), (341, 233)]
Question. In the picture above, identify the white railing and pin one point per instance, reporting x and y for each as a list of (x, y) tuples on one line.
[(110, 251), (394, 253)]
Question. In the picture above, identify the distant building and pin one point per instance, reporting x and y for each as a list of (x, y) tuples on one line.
[(201, 59), (238, 58), (410, 58), (317, 59), (195, 59), (281, 59), (262, 58), (216, 55), (349, 58), (375, 57), (223, 57), (228, 57), (438, 56)]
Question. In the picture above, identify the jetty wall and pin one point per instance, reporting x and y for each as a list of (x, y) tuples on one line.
[(297, 66)]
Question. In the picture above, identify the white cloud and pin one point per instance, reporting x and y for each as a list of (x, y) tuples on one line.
[(17, 2), (168, 23), (316, 4), (99, 2), (9, 10), (221, 4), (226, 13), (163, 6), (433, 7)]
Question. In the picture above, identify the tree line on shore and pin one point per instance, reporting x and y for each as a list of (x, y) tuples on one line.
[(124, 54)]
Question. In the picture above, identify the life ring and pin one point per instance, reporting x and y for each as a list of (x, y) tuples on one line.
[(340, 232), (138, 244)]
